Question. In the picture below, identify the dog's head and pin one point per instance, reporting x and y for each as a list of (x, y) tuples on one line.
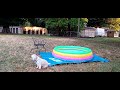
[(34, 57)]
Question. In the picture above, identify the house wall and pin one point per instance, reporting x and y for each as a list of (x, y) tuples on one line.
[(91, 33), (1, 28), (35, 30), (100, 32), (82, 34), (105, 33), (88, 33), (116, 34), (16, 29), (112, 34), (29, 30)]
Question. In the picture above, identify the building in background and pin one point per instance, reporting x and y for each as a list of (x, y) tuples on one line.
[(35, 30), (16, 29), (88, 32), (1, 28), (28, 30), (100, 32), (112, 33)]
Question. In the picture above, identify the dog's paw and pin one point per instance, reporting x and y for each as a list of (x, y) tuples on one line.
[(39, 68), (44, 66)]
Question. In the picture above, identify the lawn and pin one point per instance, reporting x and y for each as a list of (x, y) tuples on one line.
[(15, 53)]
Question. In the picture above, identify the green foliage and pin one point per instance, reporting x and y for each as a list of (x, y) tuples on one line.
[(83, 21), (34, 21), (62, 23), (27, 24), (17, 21), (56, 22), (97, 22), (114, 23), (12, 21), (74, 23)]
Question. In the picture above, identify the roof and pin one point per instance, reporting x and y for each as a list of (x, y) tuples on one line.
[(110, 30), (92, 28)]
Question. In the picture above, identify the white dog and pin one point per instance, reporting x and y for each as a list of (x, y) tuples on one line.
[(41, 63)]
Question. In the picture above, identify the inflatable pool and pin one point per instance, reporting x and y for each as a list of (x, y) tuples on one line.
[(70, 53)]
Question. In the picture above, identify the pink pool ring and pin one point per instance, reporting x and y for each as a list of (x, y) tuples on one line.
[(72, 53)]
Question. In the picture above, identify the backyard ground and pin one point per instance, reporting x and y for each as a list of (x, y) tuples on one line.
[(15, 53)]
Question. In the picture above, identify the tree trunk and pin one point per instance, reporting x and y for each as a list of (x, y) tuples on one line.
[(69, 28), (58, 30)]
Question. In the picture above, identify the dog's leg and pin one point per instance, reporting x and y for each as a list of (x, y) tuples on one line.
[(39, 67)]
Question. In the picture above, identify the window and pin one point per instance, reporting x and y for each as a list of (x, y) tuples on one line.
[(37, 32), (33, 32), (40, 31), (17, 30), (28, 31), (13, 30), (24, 32)]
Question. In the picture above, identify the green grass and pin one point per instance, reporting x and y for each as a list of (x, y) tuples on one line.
[(15, 56), (105, 40), (112, 46)]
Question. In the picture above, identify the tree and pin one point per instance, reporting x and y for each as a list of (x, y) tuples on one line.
[(56, 23), (6, 22), (74, 23), (83, 22), (63, 24), (97, 22), (27, 24), (114, 23)]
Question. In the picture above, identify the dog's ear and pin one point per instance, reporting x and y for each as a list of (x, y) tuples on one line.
[(37, 54), (33, 57)]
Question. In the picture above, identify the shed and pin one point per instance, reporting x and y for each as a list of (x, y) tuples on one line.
[(88, 32), (1, 28), (35, 30), (16, 29), (28, 30), (112, 33), (100, 32)]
